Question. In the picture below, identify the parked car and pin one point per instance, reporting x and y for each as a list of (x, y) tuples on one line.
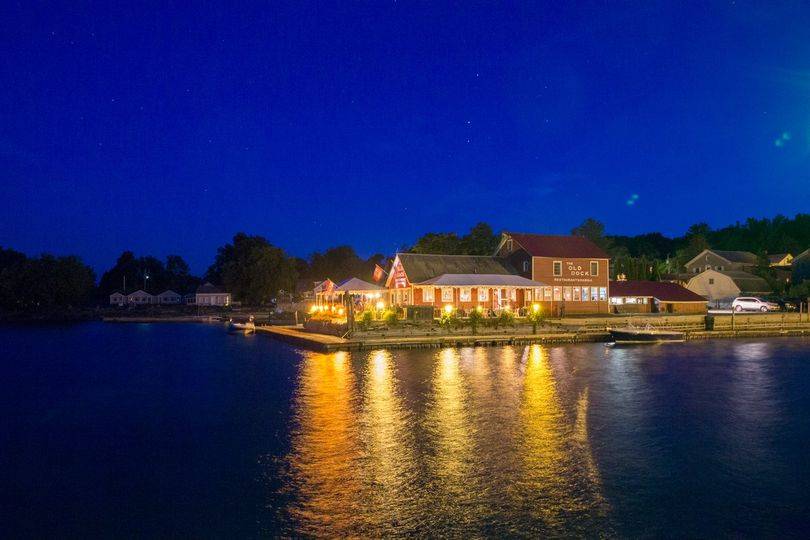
[(749, 303), (785, 304)]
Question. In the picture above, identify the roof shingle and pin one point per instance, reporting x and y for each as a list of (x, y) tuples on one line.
[(543, 245)]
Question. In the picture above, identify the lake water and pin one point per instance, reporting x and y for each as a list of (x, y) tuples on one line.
[(161, 430)]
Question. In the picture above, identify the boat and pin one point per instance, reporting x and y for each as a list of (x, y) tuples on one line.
[(648, 334), (247, 327)]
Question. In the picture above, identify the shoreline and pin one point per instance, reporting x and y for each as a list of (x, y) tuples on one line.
[(327, 343)]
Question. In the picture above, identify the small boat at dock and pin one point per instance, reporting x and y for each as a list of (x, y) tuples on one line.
[(247, 327), (631, 334)]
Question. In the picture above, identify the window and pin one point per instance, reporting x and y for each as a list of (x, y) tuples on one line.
[(711, 281), (602, 294), (567, 294), (427, 295), (527, 295), (594, 294), (557, 268), (465, 294), (483, 294), (509, 245), (547, 294), (557, 294), (577, 290), (615, 300), (584, 294), (447, 294), (594, 268), (513, 295), (525, 266)]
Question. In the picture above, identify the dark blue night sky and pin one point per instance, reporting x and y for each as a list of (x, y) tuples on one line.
[(166, 130)]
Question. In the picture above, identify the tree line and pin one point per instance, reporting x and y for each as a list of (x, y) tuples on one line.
[(255, 271)]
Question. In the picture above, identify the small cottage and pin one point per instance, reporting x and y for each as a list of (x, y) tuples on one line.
[(168, 297)]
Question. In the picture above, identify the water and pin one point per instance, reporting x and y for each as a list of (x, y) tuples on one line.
[(161, 430)]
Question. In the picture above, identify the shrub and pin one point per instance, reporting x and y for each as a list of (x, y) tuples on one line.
[(448, 320), (474, 320), (365, 319), (536, 318), (390, 317), (506, 318)]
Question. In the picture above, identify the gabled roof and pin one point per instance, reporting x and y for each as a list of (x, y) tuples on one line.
[(777, 257), (355, 284), (168, 292), (484, 280), (745, 281), (802, 255), (741, 257), (118, 292), (421, 267), (745, 257), (544, 245), (662, 290), (140, 291), (208, 288)]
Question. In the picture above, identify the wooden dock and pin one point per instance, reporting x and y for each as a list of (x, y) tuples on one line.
[(326, 343), (295, 335)]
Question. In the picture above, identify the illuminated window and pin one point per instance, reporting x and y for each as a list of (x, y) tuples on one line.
[(577, 291), (567, 294), (483, 294), (584, 294), (513, 295), (594, 268), (447, 294), (527, 295), (547, 294), (557, 268), (465, 294), (594, 294), (427, 295), (602, 294), (557, 294)]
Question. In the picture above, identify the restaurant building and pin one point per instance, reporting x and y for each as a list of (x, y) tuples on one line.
[(654, 297), (464, 282), (573, 270)]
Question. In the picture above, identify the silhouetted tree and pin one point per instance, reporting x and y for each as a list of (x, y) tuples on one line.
[(252, 269)]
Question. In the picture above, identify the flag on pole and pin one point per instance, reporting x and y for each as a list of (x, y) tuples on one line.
[(378, 272)]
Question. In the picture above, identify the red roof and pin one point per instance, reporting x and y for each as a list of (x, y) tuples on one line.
[(543, 245), (662, 290)]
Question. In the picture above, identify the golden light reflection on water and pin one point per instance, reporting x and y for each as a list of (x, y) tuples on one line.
[(324, 462), (485, 438)]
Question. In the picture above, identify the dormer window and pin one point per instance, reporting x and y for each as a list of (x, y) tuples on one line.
[(525, 266)]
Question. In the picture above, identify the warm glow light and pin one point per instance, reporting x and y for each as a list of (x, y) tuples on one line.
[(479, 309), (448, 309), (313, 308), (536, 308), (341, 311), (380, 305)]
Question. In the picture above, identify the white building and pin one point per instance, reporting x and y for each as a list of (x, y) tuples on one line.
[(118, 299), (721, 288), (209, 295), (168, 297), (141, 298)]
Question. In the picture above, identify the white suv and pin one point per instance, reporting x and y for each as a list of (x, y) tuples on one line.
[(747, 303)]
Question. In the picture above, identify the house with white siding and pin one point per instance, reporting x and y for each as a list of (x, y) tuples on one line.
[(210, 295), (141, 298), (168, 297), (118, 299)]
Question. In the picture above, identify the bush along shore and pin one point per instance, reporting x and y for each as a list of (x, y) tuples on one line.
[(321, 335)]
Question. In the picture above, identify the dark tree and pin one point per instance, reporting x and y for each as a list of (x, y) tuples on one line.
[(252, 269)]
